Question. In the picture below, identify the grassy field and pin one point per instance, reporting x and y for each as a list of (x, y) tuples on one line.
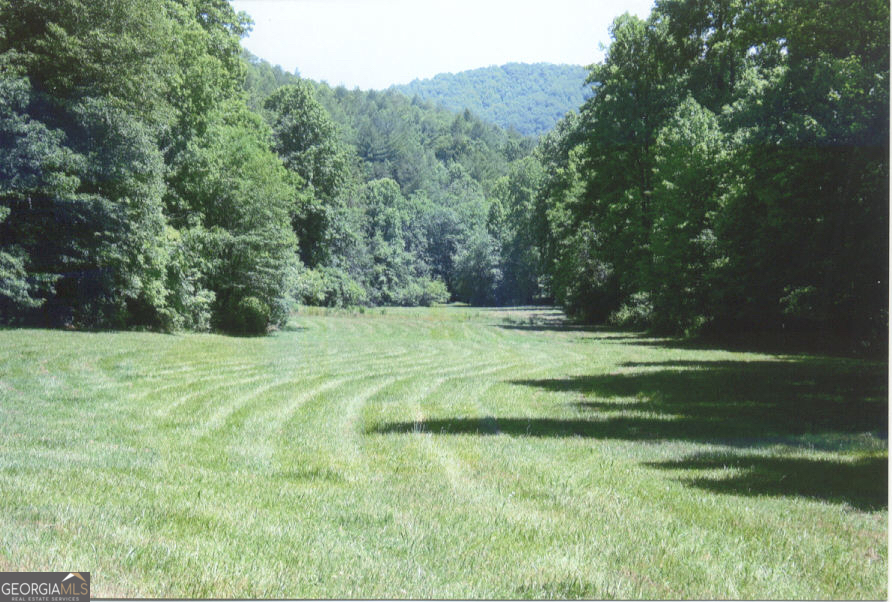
[(448, 452)]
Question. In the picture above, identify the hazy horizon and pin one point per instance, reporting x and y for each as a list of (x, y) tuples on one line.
[(374, 44)]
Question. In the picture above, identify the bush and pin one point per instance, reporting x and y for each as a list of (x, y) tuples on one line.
[(407, 295), (311, 288), (250, 315), (329, 287), (420, 291), (435, 291), (477, 273), (636, 313)]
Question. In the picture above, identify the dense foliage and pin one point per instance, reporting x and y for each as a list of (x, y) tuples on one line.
[(417, 186), (151, 176), (136, 188), (527, 98), (731, 173)]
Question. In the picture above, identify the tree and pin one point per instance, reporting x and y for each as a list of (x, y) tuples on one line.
[(244, 195), (83, 210), (123, 194), (691, 160), (731, 171), (477, 274), (394, 267), (513, 223), (306, 140)]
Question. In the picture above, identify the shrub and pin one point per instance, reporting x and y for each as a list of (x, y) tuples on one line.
[(249, 316), (329, 287), (435, 291), (636, 313)]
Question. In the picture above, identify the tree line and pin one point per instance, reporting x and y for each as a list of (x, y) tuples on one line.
[(152, 174), (728, 171), (416, 186), (137, 188)]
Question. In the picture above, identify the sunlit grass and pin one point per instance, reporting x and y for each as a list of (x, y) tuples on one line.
[(445, 452)]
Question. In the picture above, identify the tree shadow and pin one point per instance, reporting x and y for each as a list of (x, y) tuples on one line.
[(734, 402), (773, 343), (862, 483), (489, 425), (560, 323), (742, 404), (830, 404), (559, 327)]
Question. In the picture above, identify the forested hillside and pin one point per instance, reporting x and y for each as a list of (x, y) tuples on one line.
[(417, 213), (731, 174), (528, 98), (152, 177)]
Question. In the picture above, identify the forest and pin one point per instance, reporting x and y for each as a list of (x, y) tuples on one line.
[(528, 98), (727, 171), (265, 337)]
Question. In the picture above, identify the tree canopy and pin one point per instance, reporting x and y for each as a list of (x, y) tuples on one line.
[(730, 173), (529, 98)]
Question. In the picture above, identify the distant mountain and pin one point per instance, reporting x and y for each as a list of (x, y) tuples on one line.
[(529, 98)]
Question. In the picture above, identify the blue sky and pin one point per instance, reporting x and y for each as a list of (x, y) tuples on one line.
[(377, 43)]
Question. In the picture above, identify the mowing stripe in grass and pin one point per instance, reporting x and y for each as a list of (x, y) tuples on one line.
[(444, 452)]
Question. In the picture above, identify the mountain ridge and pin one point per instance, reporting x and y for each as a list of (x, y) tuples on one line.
[(529, 97)]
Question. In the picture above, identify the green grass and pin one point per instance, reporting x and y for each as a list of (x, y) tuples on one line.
[(448, 452)]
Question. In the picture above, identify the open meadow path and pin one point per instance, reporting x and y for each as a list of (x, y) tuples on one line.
[(445, 452)]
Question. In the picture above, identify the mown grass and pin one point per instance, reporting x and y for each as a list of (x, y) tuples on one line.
[(447, 452)]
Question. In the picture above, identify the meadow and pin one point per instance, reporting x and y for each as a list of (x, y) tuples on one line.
[(444, 452)]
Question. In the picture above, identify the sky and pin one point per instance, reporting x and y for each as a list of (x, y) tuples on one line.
[(373, 44)]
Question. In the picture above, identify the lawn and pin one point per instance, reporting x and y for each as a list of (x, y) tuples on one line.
[(446, 452)]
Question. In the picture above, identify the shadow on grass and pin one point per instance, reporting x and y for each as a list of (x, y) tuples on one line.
[(731, 402), (794, 343), (810, 404), (862, 483), (557, 327), (603, 333), (744, 404), (808, 342)]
